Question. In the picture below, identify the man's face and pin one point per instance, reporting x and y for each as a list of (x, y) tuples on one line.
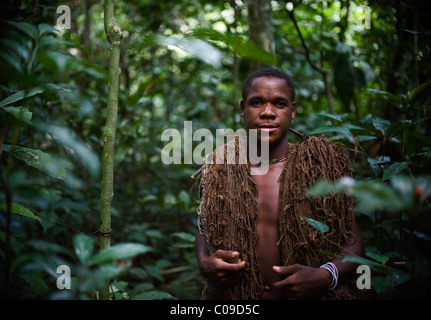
[(268, 107)]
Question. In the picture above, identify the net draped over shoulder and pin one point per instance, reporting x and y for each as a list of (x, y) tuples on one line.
[(228, 210)]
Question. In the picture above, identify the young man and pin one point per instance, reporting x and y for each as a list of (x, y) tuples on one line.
[(254, 241)]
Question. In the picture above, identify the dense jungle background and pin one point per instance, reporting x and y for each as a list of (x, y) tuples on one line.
[(361, 70)]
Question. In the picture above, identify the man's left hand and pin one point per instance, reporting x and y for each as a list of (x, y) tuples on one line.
[(302, 282)]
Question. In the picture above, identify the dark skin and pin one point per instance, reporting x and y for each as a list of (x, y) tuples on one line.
[(268, 107)]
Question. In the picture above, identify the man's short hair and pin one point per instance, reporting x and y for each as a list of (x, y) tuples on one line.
[(268, 72)]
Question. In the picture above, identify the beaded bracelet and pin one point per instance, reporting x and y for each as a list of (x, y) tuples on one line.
[(334, 273)]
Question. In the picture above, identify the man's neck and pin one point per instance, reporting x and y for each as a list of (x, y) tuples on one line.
[(279, 150)]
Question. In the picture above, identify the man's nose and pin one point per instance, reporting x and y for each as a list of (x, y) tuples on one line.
[(268, 111)]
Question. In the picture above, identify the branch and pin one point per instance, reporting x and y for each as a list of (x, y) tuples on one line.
[(321, 70), (304, 45)]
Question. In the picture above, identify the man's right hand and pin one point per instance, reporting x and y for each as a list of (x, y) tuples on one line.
[(222, 267)]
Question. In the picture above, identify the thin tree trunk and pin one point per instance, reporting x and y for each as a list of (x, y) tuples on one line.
[(260, 27), (114, 35)]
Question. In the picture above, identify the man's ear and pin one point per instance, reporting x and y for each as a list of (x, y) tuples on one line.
[(293, 109), (242, 105)]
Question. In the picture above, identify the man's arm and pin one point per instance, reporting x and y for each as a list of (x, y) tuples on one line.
[(222, 267), (305, 282)]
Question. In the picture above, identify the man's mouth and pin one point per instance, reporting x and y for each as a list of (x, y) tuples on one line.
[(267, 127)]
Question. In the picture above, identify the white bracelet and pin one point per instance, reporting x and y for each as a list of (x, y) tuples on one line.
[(334, 273)]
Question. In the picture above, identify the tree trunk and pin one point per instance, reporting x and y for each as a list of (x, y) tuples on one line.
[(261, 30), (114, 35)]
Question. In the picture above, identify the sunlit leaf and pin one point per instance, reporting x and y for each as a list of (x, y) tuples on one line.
[(369, 195), (195, 47), (243, 47), (119, 251), (67, 139), (84, 247)]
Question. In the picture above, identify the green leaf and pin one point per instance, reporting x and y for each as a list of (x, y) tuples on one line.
[(27, 28), (338, 117), (380, 258), (19, 209), (331, 129), (22, 94), (65, 137), (184, 236), (84, 247), (362, 138), (316, 224), (240, 45), (44, 28), (374, 162), (394, 169), (54, 167), (420, 93), (20, 113), (396, 100), (372, 264), (119, 251), (370, 195), (153, 295), (195, 47), (36, 282)]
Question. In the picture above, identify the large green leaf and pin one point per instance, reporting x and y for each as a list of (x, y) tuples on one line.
[(241, 46), (372, 264), (395, 169), (21, 94), (370, 195), (19, 209), (195, 47), (380, 258), (331, 129), (27, 28), (67, 139), (338, 117), (54, 167), (20, 113), (84, 247), (119, 251)]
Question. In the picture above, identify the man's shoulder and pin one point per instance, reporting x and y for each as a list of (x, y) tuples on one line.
[(319, 143)]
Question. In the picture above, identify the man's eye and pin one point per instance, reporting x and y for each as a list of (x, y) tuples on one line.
[(281, 104), (255, 103)]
